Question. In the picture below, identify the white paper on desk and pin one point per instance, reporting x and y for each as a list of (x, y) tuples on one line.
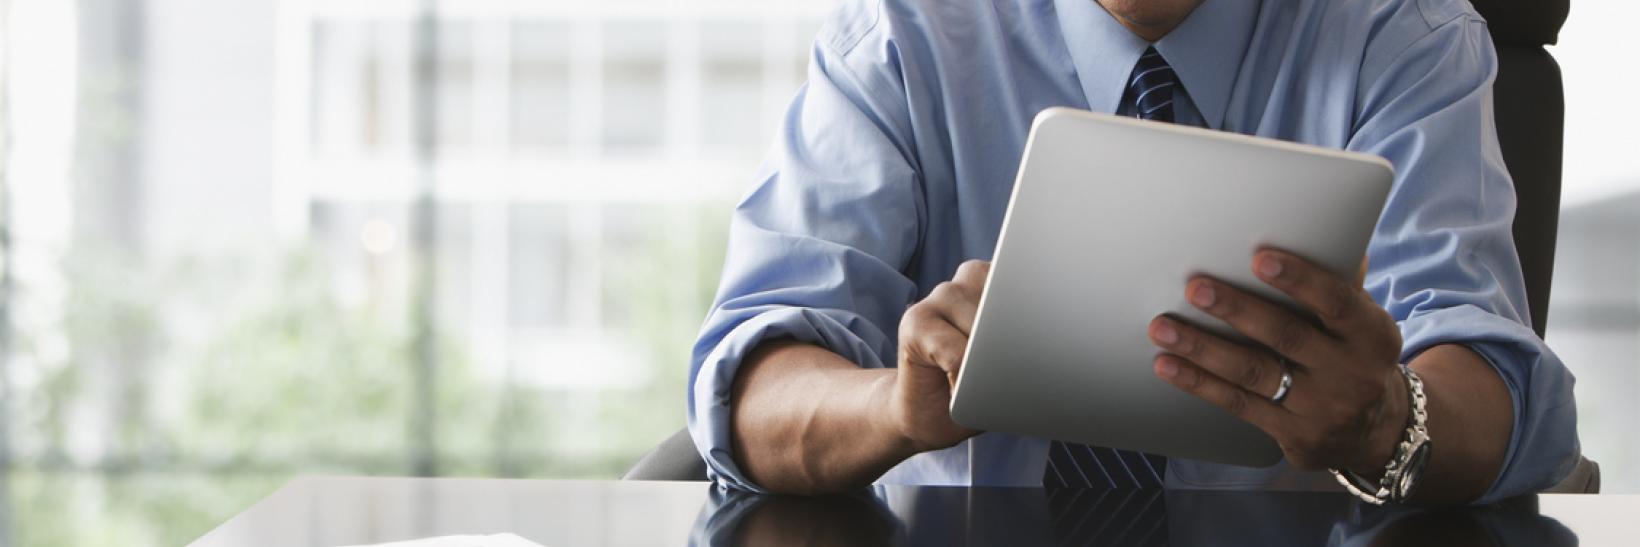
[(492, 540)]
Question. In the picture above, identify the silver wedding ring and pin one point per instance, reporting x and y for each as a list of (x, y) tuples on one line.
[(1286, 383)]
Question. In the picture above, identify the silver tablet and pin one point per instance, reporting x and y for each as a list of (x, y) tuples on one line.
[(1110, 216)]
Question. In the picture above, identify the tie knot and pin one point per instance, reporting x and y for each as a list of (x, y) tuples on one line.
[(1152, 86)]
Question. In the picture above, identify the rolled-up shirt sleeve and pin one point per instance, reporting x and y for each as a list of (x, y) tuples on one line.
[(1442, 259), (817, 247)]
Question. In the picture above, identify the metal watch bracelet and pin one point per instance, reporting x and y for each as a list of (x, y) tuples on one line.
[(1390, 487)]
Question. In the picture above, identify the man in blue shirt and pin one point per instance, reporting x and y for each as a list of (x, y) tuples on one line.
[(851, 279)]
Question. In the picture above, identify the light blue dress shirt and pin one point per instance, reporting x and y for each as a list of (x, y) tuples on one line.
[(897, 158)]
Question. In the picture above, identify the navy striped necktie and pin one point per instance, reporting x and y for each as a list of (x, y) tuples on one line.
[(1152, 87), (1073, 465)]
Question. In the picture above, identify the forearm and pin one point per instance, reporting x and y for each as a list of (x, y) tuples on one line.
[(1471, 416), (806, 420)]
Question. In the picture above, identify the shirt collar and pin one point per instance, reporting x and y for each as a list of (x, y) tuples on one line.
[(1205, 50)]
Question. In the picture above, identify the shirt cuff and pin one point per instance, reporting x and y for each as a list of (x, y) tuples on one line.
[(1543, 445), (841, 332)]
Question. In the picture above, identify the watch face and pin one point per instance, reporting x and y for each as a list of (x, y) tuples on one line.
[(1408, 481)]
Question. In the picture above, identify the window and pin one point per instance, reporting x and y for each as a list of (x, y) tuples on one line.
[(732, 76), (634, 94), (540, 86), (228, 234)]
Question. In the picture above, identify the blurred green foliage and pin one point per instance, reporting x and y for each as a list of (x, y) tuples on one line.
[(127, 509), (220, 379)]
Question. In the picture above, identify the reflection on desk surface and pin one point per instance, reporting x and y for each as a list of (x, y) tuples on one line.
[(952, 516), (328, 511)]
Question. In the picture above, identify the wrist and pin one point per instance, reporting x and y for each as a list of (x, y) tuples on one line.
[(1405, 468), (895, 429), (1394, 416)]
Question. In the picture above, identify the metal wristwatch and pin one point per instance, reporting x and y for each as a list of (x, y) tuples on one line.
[(1406, 467)]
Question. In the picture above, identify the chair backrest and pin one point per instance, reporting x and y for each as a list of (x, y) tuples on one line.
[(1530, 107)]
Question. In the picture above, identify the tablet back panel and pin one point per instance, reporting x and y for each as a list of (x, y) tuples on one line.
[(1110, 216)]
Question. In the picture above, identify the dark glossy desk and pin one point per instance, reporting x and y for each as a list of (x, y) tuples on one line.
[(322, 511)]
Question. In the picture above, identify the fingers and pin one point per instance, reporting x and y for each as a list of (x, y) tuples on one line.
[(928, 338), (1233, 399), (1251, 369), (955, 303), (958, 299), (935, 330), (1279, 329), (1337, 302), (972, 275)]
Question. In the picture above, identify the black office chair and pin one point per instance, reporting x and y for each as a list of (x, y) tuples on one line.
[(1530, 108)]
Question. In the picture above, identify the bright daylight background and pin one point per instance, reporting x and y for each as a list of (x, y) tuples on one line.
[(254, 238)]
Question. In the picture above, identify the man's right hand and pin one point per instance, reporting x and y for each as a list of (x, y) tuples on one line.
[(807, 421), (933, 339)]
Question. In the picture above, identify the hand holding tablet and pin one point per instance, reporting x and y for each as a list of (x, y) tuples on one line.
[(1064, 346)]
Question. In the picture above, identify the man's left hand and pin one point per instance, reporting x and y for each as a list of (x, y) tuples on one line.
[(1347, 405)]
